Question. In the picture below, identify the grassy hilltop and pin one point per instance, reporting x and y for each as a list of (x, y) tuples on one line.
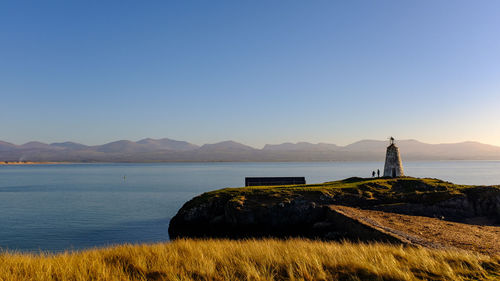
[(269, 259), (367, 191)]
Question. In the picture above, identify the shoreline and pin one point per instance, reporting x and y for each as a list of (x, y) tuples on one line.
[(222, 162), (30, 163)]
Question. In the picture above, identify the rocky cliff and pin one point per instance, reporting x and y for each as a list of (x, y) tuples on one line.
[(306, 210)]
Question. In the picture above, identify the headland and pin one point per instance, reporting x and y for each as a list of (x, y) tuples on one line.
[(410, 211)]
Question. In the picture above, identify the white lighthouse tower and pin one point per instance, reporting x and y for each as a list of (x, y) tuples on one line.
[(393, 167)]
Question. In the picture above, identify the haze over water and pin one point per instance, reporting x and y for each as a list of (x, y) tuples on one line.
[(77, 206)]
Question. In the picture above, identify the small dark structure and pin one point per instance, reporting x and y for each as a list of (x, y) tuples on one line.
[(250, 181)]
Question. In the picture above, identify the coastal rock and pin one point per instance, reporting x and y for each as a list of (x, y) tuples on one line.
[(305, 210)]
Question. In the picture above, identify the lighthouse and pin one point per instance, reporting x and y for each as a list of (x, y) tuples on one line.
[(393, 167)]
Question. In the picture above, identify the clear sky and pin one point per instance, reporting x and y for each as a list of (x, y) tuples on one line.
[(252, 71)]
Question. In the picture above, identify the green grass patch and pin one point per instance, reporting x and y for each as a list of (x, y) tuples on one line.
[(353, 191)]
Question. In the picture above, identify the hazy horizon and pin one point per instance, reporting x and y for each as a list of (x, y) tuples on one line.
[(254, 72)]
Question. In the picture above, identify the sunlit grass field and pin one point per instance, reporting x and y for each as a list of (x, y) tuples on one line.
[(268, 259)]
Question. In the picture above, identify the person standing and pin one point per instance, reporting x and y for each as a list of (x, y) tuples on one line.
[(373, 174), (378, 173)]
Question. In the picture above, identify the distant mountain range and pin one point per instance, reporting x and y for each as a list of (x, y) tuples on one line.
[(168, 150)]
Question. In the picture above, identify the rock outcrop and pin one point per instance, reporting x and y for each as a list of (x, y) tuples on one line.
[(306, 210)]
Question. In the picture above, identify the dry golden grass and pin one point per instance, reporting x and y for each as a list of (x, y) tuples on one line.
[(269, 259)]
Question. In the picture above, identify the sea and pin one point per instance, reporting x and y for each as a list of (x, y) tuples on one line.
[(66, 207)]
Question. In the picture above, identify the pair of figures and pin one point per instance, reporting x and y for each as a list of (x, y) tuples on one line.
[(378, 173)]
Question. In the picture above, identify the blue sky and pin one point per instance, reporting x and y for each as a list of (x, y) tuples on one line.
[(252, 71)]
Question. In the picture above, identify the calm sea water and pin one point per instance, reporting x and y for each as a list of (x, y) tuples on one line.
[(77, 206)]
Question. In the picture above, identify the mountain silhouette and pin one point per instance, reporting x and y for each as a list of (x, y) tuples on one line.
[(169, 150)]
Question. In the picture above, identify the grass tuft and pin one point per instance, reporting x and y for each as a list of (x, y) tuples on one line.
[(269, 259)]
